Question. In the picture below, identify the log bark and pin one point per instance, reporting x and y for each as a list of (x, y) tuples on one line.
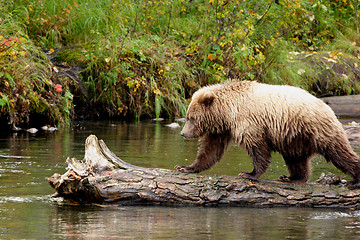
[(101, 177)]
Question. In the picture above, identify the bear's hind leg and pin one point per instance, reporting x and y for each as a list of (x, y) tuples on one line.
[(344, 158), (211, 150), (261, 156), (299, 169)]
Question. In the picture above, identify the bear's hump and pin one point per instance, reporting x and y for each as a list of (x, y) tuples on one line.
[(227, 88)]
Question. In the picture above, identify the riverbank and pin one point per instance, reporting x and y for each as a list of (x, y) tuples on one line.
[(66, 60)]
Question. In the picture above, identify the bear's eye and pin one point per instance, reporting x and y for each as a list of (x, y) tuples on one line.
[(190, 119)]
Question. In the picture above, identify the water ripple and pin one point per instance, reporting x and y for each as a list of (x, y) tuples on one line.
[(11, 156), (334, 215), (28, 199)]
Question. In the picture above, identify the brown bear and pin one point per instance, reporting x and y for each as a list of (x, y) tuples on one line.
[(265, 118)]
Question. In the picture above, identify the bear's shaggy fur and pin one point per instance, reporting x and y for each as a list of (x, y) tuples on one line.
[(265, 118)]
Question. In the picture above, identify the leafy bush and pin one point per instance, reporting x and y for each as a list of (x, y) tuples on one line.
[(27, 87), (145, 58)]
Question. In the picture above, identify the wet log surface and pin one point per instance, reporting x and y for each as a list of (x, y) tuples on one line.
[(101, 177)]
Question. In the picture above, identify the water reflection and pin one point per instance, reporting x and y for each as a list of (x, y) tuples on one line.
[(204, 223), (27, 211)]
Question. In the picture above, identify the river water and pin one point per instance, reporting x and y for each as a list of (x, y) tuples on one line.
[(28, 212)]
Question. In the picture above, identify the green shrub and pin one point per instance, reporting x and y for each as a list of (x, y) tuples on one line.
[(145, 58)]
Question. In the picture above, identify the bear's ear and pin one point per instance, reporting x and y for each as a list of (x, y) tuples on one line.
[(207, 98)]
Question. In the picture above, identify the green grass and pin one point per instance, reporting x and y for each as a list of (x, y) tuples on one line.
[(145, 58)]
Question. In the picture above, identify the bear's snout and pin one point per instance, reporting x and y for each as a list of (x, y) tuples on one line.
[(186, 135), (189, 130)]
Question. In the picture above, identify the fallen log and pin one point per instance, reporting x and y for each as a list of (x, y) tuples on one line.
[(101, 177), (344, 106)]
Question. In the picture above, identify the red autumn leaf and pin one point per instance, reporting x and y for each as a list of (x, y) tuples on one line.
[(58, 87), (14, 39)]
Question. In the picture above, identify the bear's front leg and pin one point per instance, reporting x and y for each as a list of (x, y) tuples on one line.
[(261, 156), (211, 150)]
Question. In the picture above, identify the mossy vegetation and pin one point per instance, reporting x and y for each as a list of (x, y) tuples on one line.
[(139, 59)]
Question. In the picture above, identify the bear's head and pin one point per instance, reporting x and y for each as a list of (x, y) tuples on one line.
[(199, 116)]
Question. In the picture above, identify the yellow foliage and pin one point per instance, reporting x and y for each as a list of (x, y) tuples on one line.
[(157, 91), (211, 57)]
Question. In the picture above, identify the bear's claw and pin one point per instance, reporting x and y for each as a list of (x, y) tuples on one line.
[(247, 175), (185, 169), (353, 185), (284, 178)]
